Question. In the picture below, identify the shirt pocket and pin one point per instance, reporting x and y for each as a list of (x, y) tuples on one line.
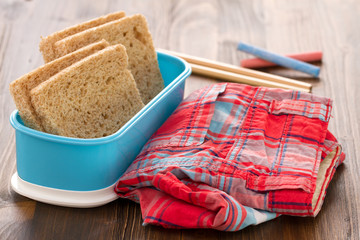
[(282, 144), (190, 122)]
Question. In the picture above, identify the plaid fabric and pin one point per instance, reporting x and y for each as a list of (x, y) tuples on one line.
[(233, 155)]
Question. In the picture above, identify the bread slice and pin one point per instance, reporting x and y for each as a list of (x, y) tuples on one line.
[(21, 87), (133, 33), (92, 98), (46, 43)]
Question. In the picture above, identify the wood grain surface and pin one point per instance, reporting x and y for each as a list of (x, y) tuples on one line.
[(209, 29)]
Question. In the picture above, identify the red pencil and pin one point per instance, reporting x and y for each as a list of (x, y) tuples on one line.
[(259, 63)]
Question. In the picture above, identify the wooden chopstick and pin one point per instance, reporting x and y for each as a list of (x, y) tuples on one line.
[(229, 72), (234, 77)]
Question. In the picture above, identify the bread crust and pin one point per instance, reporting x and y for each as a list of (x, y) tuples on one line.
[(46, 45)]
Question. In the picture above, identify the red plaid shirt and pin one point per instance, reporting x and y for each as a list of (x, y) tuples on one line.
[(230, 151)]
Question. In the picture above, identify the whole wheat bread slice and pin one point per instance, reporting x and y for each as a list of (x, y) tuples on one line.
[(47, 43), (92, 98), (133, 33), (21, 87)]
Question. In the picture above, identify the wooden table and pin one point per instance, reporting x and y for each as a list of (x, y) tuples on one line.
[(209, 29)]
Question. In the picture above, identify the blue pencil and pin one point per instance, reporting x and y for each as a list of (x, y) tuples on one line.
[(280, 60)]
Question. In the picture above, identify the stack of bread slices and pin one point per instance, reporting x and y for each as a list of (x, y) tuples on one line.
[(97, 75)]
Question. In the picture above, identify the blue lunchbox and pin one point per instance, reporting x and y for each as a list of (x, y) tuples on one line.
[(77, 172)]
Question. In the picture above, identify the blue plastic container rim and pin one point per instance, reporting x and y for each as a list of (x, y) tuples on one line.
[(96, 141)]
